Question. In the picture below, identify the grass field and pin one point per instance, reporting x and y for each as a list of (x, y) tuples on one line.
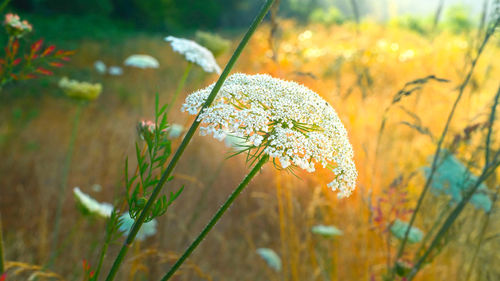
[(357, 69)]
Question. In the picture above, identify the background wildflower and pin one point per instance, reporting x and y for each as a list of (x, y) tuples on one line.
[(15, 27), (453, 178), (399, 228), (80, 90), (194, 53), (272, 259), (91, 205), (213, 42), (326, 230), (142, 61), (174, 131), (147, 229), (115, 70), (100, 67)]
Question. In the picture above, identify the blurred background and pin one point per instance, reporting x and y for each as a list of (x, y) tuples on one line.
[(358, 55)]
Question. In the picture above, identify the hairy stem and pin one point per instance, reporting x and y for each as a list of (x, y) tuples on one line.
[(216, 217), (187, 138)]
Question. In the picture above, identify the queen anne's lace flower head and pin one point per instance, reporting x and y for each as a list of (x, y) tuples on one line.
[(142, 61), (91, 205), (100, 67), (288, 121), (147, 229), (194, 53), (15, 27), (80, 90)]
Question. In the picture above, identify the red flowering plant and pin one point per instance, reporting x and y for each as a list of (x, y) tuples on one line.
[(38, 60)]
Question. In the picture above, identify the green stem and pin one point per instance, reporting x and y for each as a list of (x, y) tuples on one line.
[(489, 168), (104, 250), (216, 217), (481, 235), (187, 138), (64, 181), (180, 86), (434, 165), (451, 219), (2, 261)]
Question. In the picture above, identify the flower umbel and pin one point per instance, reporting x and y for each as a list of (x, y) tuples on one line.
[(80, 90), (15, 27), (282, 119), (91, 205), (142, 61), (148, 228), (194, 53)]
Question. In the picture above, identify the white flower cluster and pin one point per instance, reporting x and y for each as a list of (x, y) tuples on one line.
[(289, 121), (93, 206), (142, 61), (147, 229), (195, 53)]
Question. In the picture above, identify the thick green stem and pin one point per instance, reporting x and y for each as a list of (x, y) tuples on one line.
[(187, 138), (64, 180), (216, 217), (180, 86)]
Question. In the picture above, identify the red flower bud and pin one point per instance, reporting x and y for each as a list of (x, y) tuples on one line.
[(36, 46), (44, 71), (49, 50)]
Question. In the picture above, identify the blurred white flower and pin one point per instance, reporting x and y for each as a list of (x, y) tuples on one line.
[(80, 90), (399, 228), (287, 120), (174, 131), (100, 67), (326, 230), (272, 259), (115, 70), (306, 35), (15, 27), (406, 55), (147, 229), (195, 53), (91, 205), (142, 61), (96, 187)]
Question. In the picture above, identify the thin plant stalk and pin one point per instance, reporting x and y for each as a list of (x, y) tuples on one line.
[(216, 217), (437, 153), (187, 138), (481, 235), (488, 169), (64, 180), (180, 86), (2, 257)]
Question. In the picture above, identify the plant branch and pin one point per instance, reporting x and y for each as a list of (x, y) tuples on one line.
[(187, 138), (216, 217)]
